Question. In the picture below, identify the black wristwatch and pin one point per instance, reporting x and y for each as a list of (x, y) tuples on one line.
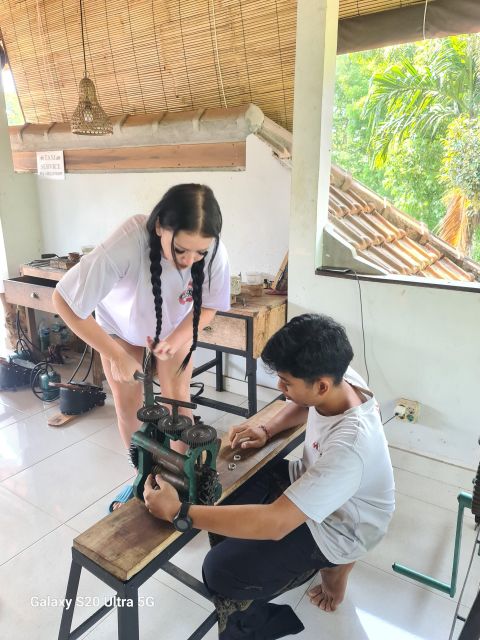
[(182, 521)]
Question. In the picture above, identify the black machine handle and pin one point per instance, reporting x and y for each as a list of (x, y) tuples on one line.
[(176, 403), (141, 377)]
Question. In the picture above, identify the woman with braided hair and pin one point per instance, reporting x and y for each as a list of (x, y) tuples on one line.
[(154, 282)]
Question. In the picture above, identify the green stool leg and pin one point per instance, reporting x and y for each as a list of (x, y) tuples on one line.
[(464, 502)]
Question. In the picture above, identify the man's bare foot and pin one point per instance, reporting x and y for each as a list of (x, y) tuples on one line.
[(330, 592)]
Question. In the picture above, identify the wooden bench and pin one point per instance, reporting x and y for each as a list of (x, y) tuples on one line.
[(129, 545)]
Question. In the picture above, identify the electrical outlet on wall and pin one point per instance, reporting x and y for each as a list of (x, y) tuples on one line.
[(407, 410)]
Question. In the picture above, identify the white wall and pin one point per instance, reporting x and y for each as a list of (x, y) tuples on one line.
[(84, 208), (20, 231), (421, 344)]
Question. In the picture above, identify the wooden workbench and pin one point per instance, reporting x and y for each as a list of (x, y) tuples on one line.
[(130, 545), (33, 290), (129, 538), (244, 331)]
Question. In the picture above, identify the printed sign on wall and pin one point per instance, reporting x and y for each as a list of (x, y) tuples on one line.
[(50, 164)]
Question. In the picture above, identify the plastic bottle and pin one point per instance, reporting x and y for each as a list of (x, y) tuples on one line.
[(64, 335), (44, 335), (56, 328)]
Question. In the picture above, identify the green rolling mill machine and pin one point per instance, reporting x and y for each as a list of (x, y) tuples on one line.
[(194, 473)]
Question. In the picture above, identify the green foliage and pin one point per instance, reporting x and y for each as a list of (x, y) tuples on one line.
[(421, 95), (14, 113), (406, 123), (350, 130), (461, 160), (411, 180)]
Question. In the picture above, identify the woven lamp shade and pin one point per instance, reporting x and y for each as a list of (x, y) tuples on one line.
[(89, 119), (172, 55)]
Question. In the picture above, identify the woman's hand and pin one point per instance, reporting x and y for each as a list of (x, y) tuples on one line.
[(246, 436), (164, 350), (123, 366), (162, 500)]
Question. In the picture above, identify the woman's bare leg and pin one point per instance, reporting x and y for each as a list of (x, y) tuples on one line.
[(176, 385), (128, 398)]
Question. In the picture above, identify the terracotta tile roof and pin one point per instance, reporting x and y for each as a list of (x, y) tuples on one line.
[(389, 238), (381, 234)]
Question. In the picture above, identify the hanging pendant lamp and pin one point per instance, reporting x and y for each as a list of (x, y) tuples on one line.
[(88, 119)]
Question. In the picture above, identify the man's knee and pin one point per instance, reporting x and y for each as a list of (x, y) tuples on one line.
[(213, 571)]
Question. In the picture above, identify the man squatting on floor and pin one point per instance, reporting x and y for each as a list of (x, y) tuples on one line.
[(320, 513)]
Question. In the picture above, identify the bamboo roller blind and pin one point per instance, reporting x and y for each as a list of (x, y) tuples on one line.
[(158, 55)]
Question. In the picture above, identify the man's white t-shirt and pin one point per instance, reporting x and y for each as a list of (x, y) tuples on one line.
[(115, 281), (344, 482)]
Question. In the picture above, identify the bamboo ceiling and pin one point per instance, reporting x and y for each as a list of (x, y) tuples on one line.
[(158, 55)]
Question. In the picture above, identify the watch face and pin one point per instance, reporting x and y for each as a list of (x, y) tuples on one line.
[(182, 524)]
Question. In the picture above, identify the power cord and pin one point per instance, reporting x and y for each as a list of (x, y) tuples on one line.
[(80, 364), (363, 326), (349, 270), (24, 344)]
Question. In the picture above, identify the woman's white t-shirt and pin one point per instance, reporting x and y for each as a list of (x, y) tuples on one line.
[(115, 281), (344, 481)]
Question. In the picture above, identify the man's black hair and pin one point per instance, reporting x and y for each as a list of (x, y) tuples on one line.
[(308, 347)]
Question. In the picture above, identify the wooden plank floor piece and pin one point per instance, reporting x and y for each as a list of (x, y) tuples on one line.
[(59, 419), (125, 541)]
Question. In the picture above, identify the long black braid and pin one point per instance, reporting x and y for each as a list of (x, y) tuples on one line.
[(156, 279), (198, 276), (191, 208)]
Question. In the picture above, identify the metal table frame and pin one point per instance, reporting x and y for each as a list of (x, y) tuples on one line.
[(128, 619), (217, 362)]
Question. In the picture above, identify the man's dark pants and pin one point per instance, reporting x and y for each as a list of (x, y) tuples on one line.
[(243, 575)]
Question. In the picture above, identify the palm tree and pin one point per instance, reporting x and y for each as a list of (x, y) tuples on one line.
[(423, 99)]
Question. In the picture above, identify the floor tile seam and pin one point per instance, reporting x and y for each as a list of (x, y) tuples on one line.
[(32, 544), (50, 455), (165, 584), (413, 583), (91, 505), (16, 495), (426, 477), (453, 509), (432, 458)]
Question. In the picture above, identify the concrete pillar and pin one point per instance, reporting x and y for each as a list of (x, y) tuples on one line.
[(316, 44), (21, 234)]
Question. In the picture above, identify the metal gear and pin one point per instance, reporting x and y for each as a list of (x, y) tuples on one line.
[(476, 496), (152, 413), (209, 488), (199, 435), (174, 428), (133, 455)]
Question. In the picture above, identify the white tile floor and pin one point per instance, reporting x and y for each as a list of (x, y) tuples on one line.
[(56, 482)]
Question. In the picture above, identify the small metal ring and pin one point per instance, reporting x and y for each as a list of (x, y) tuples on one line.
[(232, 466), (237, 457)]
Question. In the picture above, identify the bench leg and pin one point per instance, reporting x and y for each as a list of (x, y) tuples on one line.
[(251, 372), (219, 371), (71, 596), (128, 615)]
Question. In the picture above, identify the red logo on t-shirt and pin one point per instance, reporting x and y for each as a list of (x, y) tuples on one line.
[(187, 294), (315, 446)]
